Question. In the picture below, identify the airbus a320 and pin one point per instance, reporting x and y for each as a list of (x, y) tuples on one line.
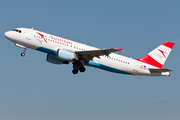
[(63, 51)]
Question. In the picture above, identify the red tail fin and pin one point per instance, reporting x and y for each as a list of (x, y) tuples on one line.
[(158, 56)]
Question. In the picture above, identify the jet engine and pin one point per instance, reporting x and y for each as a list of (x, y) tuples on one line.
[(65, 55), (53, 59)]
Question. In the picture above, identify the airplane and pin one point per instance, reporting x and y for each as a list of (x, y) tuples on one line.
[(63, 51)]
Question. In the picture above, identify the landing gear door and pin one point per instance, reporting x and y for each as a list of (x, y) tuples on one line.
[(29, 35)]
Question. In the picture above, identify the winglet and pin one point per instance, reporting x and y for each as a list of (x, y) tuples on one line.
[(119, 49)]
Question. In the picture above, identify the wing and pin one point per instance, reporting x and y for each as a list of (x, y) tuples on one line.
[(89, 55)]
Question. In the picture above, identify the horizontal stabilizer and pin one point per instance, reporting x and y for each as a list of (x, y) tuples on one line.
[(159, 70)]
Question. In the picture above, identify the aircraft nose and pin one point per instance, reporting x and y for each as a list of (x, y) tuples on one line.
[(7, 34)]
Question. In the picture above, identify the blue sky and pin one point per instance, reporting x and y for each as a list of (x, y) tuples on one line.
[(31, 88)]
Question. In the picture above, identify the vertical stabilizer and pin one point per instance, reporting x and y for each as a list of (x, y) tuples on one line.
[(158, 56)]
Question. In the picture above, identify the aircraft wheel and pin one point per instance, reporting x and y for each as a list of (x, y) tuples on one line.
[(74, 71), (82, 69), (22, 54)]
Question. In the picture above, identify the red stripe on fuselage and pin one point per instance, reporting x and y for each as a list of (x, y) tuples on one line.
[(149, 60)]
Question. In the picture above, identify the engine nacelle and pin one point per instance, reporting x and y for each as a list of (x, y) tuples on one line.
[(65, 55), (52, 59)]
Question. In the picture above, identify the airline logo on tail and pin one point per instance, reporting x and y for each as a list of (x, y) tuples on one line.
[(162, 52), (158, 56)]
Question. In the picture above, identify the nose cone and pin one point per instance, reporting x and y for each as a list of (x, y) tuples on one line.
[(7, 35)]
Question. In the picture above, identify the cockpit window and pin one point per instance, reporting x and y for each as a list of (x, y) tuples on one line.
[(17, 30)]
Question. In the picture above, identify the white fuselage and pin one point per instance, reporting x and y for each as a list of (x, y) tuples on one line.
[(49, 44)]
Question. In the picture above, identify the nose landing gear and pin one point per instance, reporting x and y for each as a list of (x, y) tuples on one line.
[(23, 53)]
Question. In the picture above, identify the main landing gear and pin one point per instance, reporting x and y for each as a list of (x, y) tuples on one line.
[(23, 53), (78, 66)]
